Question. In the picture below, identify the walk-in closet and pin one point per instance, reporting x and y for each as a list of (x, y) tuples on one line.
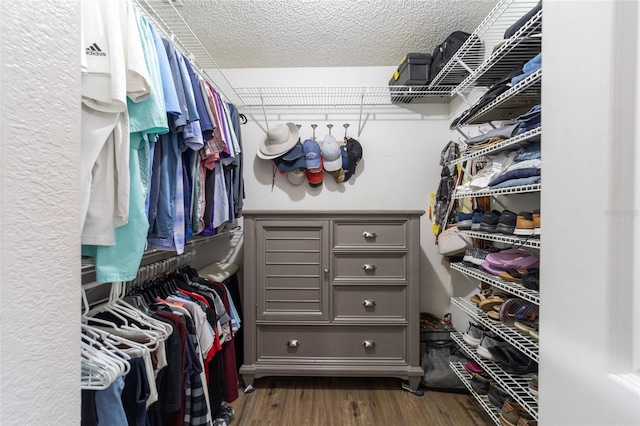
[(320, 212)]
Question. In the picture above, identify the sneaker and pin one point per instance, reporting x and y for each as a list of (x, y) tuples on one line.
[(512, 412), (533, 386), (489, 340), (524, 224), (464, 220), (473, 368), (490, 221), (469, 254), (481, 254), (474, 334), (476, 219), (507, 222), (480, 384), (497, 396), (531, 279), (536, 222)]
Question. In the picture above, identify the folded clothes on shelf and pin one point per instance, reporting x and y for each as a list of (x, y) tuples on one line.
[(533, 65), (517, 182), (504, 132)]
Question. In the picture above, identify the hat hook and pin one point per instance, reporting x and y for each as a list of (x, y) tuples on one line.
[(346, 126), (298, 126), (313, 126), (330, 126)]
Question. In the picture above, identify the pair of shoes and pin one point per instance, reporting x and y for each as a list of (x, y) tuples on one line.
[(500, 222), (531, 279), (487, 298), (473, 335), (510, 308), (480, 384), (513, 275), (512, 412), (536, 222), (528, 327), (464, 220), (533, 386), (490, 221), (512, 360), (473, 368), (476, 219), (507, 222), (480, 254), (497, 396), (489, 340), (524, 224)]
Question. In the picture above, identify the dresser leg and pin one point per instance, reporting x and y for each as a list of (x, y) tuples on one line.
[(248, 382), (412, 387)]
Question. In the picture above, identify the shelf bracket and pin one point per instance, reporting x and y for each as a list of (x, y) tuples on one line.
[(264, 111), (360, 119)]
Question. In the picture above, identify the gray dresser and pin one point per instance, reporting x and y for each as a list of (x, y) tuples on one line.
[(331, 294)]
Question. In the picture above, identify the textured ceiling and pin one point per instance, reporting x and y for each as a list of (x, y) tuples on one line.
[(326, 33)]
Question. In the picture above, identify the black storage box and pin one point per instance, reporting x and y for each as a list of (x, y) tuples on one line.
[(412, 71)]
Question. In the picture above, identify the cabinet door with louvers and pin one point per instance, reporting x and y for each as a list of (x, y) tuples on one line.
[(292, 270)]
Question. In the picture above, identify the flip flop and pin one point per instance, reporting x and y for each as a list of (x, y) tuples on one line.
[(488, 304), (493, 315), (513, 275), (509, 309)]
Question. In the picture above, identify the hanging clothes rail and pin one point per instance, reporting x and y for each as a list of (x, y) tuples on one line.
[(168, 21)]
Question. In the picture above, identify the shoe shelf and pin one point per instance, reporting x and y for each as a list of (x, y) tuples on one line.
[(514, 385), (532, 242), (507, 144), (535, 187), (525, 344), (483, 400), (512, 103), (512, 288), (491, 32), (514, 52)]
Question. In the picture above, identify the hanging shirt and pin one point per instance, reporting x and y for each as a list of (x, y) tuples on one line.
[(114, 68), (120, 262)]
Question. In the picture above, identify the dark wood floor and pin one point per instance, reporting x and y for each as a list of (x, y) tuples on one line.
[(307, 401)]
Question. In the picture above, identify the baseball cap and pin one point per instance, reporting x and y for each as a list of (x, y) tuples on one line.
[(331, 156), (312, 154), (292, 159), (341, 174), (296, 176), (354, 151), (315, 175)]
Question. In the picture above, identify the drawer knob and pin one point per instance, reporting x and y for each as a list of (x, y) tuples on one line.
[(293, 343), (369, 343), (369, 234), (369, 267), (369, 303)]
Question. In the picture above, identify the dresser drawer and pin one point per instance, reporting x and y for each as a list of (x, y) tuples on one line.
[(330, 342), (361, 303), (370, 266), (390, 234)]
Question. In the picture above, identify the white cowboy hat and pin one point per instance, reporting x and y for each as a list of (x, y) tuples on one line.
[(280, 139)]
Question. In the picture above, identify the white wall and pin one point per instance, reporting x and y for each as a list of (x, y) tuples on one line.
[(39, 217), (399, 169), (589, 79)]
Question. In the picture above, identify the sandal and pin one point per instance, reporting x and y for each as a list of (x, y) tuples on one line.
[(513, 275), (528, 312), (488, 304), (509, 309)]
